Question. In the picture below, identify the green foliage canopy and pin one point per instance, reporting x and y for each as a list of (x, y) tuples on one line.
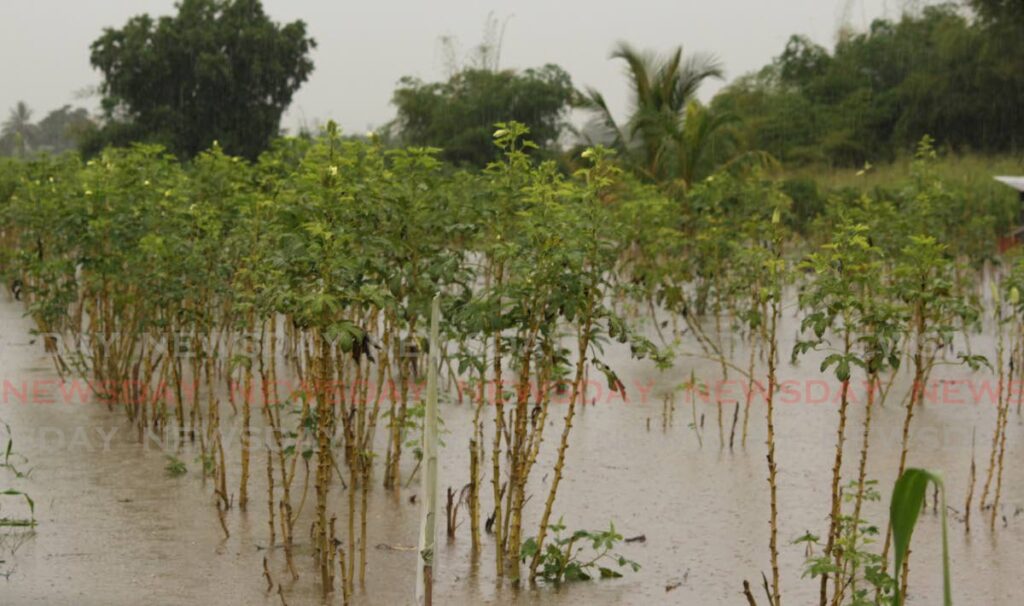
[(216, 71), (940, 72), (459, 115)]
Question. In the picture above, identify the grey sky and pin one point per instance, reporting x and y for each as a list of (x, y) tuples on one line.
[(365, 47)]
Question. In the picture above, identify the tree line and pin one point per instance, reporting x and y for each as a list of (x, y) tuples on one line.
[(955, 72), (225, 72)]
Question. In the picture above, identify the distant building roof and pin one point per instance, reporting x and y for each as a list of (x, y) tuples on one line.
[(1016, 183)]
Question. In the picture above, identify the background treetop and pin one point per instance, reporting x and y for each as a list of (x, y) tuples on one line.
[(216, 71), (458, 115)]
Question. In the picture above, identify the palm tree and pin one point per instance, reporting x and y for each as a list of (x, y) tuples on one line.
[(670, 137), (18, 128)]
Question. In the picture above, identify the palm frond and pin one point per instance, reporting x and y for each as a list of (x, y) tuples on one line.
[(638, 64), (602, 122), (697, 68), (669, 136)]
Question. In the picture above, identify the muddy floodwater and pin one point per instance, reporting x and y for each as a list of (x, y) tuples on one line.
[(114, 528)]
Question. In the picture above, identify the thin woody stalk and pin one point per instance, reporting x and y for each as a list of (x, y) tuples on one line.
[(583, 342), (1002, 441), (772, 466), (1000, 396), (833, 529), (775, 269)]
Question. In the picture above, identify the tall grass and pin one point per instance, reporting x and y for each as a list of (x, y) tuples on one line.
[(971, 174)]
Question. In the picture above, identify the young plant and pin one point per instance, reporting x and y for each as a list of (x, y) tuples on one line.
[(7, 464), (562, 558), (1011, 300), (922, 282), (853, 557), (175, 467), (837, 303)]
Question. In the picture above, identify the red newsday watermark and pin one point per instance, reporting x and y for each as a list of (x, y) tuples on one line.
[(966, 391), (84, 391)]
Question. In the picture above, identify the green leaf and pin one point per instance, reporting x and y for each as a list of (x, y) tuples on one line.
[(907, 500), (608, 573), (829, 361), (528, 549)]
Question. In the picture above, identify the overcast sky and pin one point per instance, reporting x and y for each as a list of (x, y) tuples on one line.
[(364, 47)]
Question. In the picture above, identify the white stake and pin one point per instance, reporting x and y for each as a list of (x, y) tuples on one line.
[(428, 480)]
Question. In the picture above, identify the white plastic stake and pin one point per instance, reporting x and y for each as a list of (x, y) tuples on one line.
[(428, 481)]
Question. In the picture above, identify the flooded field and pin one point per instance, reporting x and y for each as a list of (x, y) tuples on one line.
[(115, 528), (611, 311)]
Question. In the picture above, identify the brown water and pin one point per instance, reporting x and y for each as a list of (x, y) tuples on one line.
[(115, 529)]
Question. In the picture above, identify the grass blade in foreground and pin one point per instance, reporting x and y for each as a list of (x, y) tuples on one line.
[(907, 500)]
